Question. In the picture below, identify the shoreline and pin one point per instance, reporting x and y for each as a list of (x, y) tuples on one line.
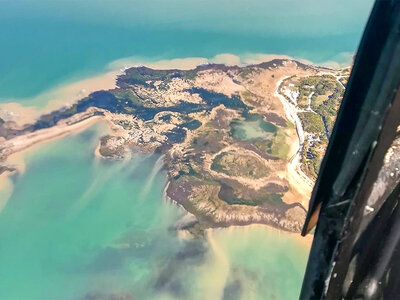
[(303, 184), (304, 240), (16, 158), (59, 97), (23, 142), (82, 120), (25, 110)]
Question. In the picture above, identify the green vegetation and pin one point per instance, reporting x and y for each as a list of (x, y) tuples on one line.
[(186, 169), (263, 145), (278, 146), (246, 71), (142, 75), (255, 201), (344, 80), (208, 140), (235, 164), (190, 74), (127, 95), (248, 97), (302, 99), (326, 94), (312, 122), (311, 166)]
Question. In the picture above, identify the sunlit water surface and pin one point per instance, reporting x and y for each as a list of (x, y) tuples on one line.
[(45, 43), (76, 226)]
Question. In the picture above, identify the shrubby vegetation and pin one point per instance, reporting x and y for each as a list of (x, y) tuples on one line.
[(311, 166), (278, 146), (326, 95), (236, 164), (312, 122)]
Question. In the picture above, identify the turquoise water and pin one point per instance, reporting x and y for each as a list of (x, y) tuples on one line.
[(45, 43), (253, 127), (263, 264), (76, 226)]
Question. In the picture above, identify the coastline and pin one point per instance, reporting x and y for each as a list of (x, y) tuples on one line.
[(303, 184), (21, 143), (23, 111), (306, 241), (28, 111), (16, 159)]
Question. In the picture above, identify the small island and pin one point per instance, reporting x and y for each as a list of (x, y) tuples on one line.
[(240, 145)]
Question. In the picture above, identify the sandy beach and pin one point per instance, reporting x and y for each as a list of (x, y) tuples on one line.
[(23, 111), (70, 93), (20, 145), (306, 241), (23, 142), (56, 98)]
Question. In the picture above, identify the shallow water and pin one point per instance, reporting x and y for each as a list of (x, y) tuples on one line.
[(263, 263), (47, 43), (252, 128), (77, 226)]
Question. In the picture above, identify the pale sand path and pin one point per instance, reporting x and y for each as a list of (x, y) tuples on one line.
[(295, 176)]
